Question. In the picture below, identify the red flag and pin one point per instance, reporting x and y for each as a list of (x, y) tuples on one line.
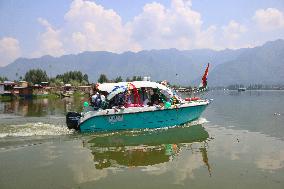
[(204, 78)]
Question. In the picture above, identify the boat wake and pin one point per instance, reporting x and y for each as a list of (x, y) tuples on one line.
[(45, 129), (34, 129), (199, 121)]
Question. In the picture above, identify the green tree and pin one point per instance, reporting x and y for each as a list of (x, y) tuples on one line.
[(103, 79), (118, 79), (86, 78), (74, 83), (3, 78), (139, 78), (56, 82), (36, 76), (136, 78), (72, 76)]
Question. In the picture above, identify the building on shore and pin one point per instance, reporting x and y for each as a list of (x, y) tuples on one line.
[(84, 89), (23, 92), (7, 88)]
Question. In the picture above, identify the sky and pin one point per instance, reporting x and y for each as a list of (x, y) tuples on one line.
[(32, 28)]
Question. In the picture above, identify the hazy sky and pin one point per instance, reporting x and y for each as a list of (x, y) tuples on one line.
[(32, 28)]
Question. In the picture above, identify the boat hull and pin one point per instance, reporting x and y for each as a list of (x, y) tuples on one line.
[(141, 120)]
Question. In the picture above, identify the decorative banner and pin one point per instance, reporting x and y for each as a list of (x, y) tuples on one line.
[(135, 93)]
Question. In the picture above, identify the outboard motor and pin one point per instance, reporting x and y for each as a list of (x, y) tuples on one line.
[(72, 120)]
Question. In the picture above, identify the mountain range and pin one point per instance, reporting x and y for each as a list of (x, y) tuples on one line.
[(259, 65)]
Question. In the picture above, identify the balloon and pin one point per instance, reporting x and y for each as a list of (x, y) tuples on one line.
[(86, 104), (167, 105)]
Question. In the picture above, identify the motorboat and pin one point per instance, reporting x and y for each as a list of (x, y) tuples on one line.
[(138, 111), (138, 105), (241, 89)]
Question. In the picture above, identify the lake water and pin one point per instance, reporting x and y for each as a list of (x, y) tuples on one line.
[(237, 143)]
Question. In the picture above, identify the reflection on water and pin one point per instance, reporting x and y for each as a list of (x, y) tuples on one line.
[(240, 146), (41, 107), (132, 149), (22, 113)]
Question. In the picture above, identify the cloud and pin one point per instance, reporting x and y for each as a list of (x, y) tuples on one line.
[(232, 34), (49, 41), (89, 26), (269, 19), (92, 27), (9, 50), (233, 30), (207, 38), (178, 26)]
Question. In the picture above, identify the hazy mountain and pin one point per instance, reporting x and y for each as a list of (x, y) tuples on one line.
[(259, 65), (256, 65)]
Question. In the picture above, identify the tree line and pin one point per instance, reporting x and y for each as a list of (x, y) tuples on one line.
[(104, 79), (3, 79), (36, 76)]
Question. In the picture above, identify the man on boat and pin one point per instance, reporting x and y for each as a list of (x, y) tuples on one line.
[(96, 101), (154, 97)]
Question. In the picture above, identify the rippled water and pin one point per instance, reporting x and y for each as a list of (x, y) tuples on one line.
[(237, 143)]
